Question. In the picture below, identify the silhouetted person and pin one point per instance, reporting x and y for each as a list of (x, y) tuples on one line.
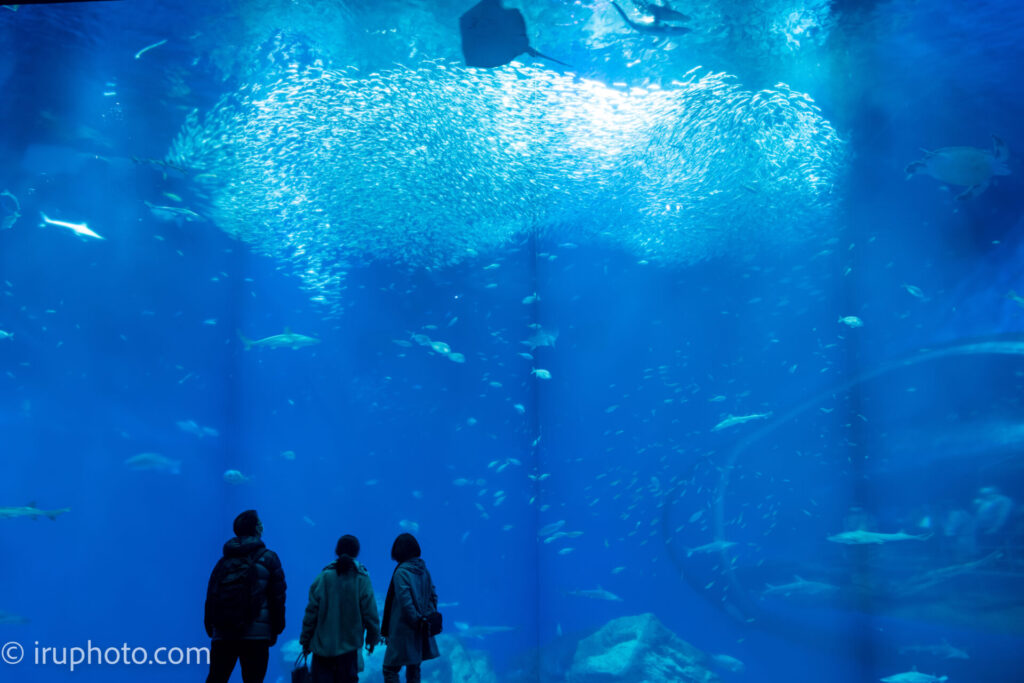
[(341, 609), (244, 604), (411, 597)]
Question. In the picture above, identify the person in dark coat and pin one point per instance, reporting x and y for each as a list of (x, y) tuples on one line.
[(341, 610), (248, 638), (411, 597)]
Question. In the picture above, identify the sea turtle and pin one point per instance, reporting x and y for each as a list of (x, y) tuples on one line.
[(964, 166)]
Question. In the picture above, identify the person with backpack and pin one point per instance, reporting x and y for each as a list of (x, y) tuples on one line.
[(244, 604), (341, 609), (410, 613)]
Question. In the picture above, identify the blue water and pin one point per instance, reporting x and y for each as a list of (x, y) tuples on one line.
[(694, 238)]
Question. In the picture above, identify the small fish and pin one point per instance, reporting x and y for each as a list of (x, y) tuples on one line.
[(193, 428), (540, 373), (80, 229), (913, 291), (6, 335), (288, 455), (153, 462), (851, 321), (549, 529), (236, 478), (520, 408), (733, 420), (456, 357), (531, 299), (286, 340), (1016, 298), (566, 551), (440, 347), (407, 525), (527, 356)]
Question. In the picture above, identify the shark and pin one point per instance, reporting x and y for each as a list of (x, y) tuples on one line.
[(153, 462), (80, 229), (733, 420), (285, 340), (943, 650), (655, 27), (661, 13), (708, 548), (8, 618), (596, 594), (31, 511), (799, 586), (541, 337), (479, 632), (862, 537)]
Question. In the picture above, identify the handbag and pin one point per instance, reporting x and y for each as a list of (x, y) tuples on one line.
[(433, 623), (301, 674)]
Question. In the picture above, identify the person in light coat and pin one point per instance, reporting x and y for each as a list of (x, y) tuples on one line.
[(411, 597), (341, 610)]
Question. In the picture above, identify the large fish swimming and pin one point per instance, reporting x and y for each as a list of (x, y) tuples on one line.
[(657, 26), (733, 420), (153, 462), (493, 35), (285, 340), (862, 537), (6, 618), (799, 586), (31, 511), (596, 594)]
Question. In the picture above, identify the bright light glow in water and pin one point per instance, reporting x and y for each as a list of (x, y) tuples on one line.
[(430, 166)]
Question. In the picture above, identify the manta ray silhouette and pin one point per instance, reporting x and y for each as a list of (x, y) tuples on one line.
[(494, 35)]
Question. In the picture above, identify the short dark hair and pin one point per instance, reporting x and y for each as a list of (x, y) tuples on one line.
[(405, 548), (246, 523), (347, 545)]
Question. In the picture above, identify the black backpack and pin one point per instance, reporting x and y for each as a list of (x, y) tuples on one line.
[(234, 600)]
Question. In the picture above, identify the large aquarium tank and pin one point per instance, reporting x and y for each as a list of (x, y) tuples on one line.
[(687, 337)]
